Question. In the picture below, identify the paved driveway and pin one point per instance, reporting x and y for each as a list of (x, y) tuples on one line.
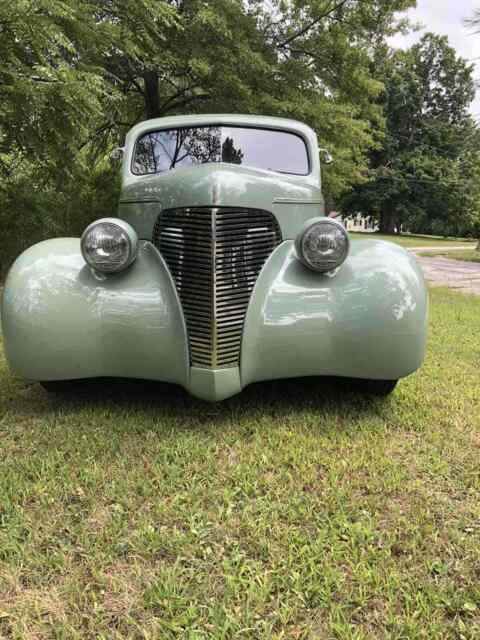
[(464, 276)]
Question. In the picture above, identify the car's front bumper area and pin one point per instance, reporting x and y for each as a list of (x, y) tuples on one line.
[(61, 321)]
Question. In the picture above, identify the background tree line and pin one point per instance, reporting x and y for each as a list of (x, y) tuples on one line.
[(75, 75)]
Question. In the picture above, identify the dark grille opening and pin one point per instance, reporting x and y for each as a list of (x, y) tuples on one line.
[(215, 256)]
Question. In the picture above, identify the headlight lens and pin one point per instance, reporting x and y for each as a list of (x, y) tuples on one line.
[(323, 244), (109, 245)]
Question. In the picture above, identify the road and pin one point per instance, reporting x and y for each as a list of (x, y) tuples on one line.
[(463, 276)]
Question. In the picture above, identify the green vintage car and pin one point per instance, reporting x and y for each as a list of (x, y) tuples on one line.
[(220, 270)]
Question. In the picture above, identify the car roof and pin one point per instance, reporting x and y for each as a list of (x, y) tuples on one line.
[(267, 122)]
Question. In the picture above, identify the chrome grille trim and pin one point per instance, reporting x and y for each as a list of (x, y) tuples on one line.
[(215, 256)]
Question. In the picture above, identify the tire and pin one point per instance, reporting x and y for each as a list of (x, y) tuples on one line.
[(380, 388), (60, 386)]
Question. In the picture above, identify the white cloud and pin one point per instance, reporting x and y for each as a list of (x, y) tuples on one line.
[(446, 17)]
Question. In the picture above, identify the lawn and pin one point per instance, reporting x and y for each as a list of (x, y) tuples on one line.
[(464, 256), (295, 510), (415, 241)]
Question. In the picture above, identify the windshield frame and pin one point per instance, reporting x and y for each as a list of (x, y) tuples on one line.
[(221, 126)]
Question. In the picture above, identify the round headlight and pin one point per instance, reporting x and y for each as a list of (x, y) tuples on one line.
[(323, 244), (109, 245)]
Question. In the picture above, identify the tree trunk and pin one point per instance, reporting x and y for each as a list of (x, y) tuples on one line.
[(152, 97), (387, 222), (478, 246)]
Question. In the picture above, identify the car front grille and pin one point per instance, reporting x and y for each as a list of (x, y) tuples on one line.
[(215, 256)]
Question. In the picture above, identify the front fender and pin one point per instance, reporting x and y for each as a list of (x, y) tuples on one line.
[(368, 320), (62, 321)]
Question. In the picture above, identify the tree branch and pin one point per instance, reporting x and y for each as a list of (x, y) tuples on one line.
[(182, 103), (103, 129), (313, 23), (137, 86), (172, 99)]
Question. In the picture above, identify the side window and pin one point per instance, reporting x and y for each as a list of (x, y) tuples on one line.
[(144, 157)]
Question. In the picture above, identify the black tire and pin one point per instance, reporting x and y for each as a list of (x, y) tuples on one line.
[(381, 388), (60, 386)]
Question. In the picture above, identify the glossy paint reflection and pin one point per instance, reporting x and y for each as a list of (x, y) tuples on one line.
[(368, 320), (62, 321)]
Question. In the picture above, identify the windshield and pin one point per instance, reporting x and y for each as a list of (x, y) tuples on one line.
[(160, 151)]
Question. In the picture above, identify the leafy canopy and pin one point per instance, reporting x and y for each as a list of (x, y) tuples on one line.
[(77, 74), (425, 175)]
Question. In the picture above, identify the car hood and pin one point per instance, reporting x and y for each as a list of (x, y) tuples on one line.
[(221, 185)]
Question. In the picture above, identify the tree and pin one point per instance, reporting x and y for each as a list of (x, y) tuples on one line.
[(77, 74), (85, 71), (475, 22), (424, 175), (53, 99)]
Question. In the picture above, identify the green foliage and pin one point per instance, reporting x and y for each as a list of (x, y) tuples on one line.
[(77, 74), (426, 175), (32, 208)]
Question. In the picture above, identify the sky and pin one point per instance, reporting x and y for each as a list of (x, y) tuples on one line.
[(446, 18)]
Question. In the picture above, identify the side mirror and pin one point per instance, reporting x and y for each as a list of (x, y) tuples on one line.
[(326, 156), (117, 153)]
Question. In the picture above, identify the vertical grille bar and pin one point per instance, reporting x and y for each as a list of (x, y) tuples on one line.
[(215, 256)]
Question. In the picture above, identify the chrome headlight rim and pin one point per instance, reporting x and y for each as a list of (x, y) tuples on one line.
[(300, 244), (128, 233)]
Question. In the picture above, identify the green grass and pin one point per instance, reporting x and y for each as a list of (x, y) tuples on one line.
[(414, 241), (295, 510), (464, 256)]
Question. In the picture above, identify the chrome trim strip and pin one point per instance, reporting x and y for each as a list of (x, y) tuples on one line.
[(295, 201)]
